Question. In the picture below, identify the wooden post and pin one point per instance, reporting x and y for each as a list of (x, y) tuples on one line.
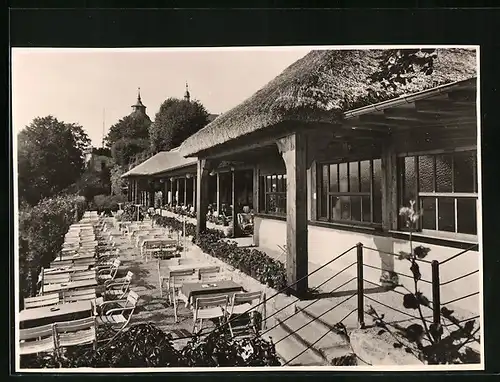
[(185, 191), (203, 171), (389, 188), (177, 194), (234, 212), (256, 185), (218, 193), (293, 149), (436, 293), (194, 192)]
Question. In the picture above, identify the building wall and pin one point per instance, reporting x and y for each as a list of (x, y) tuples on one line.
[(327, 243)]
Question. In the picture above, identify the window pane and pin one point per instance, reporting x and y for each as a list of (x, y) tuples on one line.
[(410, 181), (335, 208), (343, 180), (467, 218), (443, 173), (271, 204), (426, 173), (446, 214), (268, 183), (353, 177), (324, 192), (274, 184), (377, 191), (279, 183), (365, 175), (366, 209), (429, 217), (356, 208), (463, 171), (345, 207), (333, 178)]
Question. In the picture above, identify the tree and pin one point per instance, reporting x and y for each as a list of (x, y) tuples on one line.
[(51, 156), (134, 126), (175, 121), (125, 148)]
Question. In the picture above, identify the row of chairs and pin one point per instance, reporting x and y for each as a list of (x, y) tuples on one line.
[(229, 310)]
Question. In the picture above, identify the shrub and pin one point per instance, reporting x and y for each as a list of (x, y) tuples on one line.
[(144, 345), (130, 213), (108, 203), (41, 236)]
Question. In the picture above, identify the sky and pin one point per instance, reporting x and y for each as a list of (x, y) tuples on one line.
[(96, 87)]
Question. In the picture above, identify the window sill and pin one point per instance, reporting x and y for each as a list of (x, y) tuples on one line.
[(271, 216), (361, 228), (436, 239)]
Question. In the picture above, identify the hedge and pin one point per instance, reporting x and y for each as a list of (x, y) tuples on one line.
[(41, 235), (252, 262)]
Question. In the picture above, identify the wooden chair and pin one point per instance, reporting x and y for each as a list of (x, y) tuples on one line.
[(210, 274), (61, 263), (80, 276), (209, 308), (40, 339), (79, 295), (109, 273), (118, 287), (244, 303), (75, 333), (39, 301), (117, 319), (176, 280), (57, 278)]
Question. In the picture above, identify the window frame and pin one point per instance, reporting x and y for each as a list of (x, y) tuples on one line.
[(436, 195), (263, 203), (329, 194)]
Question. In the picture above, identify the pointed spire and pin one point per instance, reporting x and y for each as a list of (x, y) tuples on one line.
[(139, 107), (187, 96)]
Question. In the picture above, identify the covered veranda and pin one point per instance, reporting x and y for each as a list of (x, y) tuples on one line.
[(320, 114)]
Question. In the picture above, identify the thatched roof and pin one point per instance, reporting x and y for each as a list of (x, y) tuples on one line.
[(320, 87), (162, 162)]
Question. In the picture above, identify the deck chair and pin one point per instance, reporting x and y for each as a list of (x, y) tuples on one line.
[(108, 273), (40, 339), (210, 274), (176, 280), (75, 333), (80, 276), (39, 301), (209, 308), (244, 303), (116, 319), (118, 287), (79, 295)]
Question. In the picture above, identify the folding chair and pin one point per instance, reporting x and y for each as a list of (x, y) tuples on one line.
[(75, 333), (210, 274), (40, 339), (79, 295), (39, 301), (176, 280), (80, 276), (118, 287), (117, 319), (209, 308), (244, 303), (109, 273)]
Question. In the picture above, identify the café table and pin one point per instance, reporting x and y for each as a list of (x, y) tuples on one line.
[(189, 292), (196, 265), (53, 288), (55, 313), (69, 269)]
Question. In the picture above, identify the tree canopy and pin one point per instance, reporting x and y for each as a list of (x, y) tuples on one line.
[(125, 148), (51, 156), (175, 121), (135, 126)]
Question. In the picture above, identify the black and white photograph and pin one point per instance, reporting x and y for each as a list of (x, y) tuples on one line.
[(247, 208)]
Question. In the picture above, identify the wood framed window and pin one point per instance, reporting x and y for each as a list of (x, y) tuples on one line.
[(444, 186), (273, 194), (350, 192)]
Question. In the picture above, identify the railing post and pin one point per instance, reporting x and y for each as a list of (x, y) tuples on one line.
[(360, 277), (436, 297)]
